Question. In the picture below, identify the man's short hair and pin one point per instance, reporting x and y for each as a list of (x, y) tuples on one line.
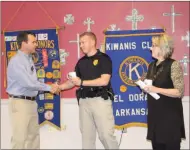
[(23, 37), (90, 34)]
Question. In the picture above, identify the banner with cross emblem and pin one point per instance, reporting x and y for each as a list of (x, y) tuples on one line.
[(47, 64), (131, 55)]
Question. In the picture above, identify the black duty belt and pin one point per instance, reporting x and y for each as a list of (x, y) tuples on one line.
[(24, 97)]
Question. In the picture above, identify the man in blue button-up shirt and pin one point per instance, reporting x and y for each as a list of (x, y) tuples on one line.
[(23, 87)]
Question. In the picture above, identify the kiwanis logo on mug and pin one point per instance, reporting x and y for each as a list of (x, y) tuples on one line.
[(132, 69)]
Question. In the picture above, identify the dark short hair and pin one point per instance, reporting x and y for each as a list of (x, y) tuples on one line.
[(90, 34), (23, 37)]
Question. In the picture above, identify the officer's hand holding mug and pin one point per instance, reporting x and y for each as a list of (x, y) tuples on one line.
[(73, 78), (71, 75)]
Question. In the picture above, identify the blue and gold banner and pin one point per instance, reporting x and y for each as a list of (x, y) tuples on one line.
[(131, 55), (47, 63)]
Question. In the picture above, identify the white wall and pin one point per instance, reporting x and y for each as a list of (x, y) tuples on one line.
[(70, 138)]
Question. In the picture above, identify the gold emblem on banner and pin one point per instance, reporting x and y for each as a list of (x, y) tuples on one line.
[(41, 73), (48, 115), (123, 88), (49, 96), (133, 68), (55, 64), (95, 62), (48, 106), (56, 74), (49, 75), (10, 54), (40, 109)]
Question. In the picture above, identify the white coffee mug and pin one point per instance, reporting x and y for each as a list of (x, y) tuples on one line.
[(71, 75)]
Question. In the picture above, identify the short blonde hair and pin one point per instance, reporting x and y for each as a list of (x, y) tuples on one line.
[(90, 34), (165, 43)]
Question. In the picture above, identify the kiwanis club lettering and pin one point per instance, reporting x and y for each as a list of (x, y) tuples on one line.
[(40, 44), (121, 46), (127, 46)]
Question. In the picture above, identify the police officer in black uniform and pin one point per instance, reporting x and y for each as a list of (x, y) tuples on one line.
[(94, 95)]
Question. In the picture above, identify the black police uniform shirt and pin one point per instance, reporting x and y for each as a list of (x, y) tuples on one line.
[(92, 67)]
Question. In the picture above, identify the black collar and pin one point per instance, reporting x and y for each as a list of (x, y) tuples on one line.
[(97, 53)]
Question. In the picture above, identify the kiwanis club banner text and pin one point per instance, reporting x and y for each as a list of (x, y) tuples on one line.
[(131, 55), (47, 63)]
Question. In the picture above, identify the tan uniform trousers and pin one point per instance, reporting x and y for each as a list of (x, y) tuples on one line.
[(24, 123), (97, 114)]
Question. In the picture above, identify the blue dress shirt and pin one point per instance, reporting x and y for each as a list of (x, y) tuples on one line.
[(22, 78)]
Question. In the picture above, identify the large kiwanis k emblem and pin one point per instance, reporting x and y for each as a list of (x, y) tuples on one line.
[(132, 69)]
